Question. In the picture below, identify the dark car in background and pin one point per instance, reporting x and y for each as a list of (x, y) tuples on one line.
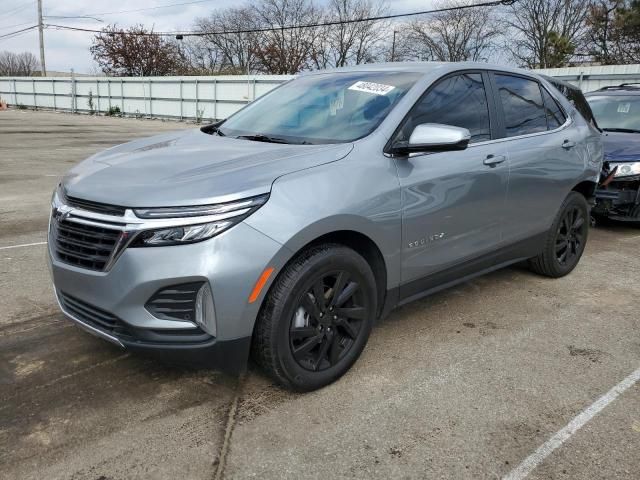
[(617, 111)]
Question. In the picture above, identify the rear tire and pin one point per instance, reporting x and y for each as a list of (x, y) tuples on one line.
[(566, 240), (316, 318)]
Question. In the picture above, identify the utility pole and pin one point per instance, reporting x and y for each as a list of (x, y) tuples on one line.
[(393, 47), (43, 68)]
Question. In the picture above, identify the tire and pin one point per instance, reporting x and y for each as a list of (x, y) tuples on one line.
[(566, 240), (303, 343)]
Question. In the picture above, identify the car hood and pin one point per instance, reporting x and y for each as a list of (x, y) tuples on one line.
[(621, 147), (190, 168)]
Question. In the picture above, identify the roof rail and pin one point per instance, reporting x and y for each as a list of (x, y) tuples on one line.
[(623, 86)]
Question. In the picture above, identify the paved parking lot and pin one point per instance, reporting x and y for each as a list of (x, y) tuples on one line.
[(465, 384)]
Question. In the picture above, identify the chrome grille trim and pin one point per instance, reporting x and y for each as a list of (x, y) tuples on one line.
[(128, 226)]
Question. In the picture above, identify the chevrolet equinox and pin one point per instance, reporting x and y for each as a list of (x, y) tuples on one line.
[(288, 229)]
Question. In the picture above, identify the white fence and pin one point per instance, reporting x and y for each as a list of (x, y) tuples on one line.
[(207, 98), (594, 78)]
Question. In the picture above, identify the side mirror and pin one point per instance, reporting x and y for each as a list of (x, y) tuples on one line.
[(433, 137)]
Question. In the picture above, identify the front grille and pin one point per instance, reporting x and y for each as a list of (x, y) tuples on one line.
[(95, 206), (83, 245), (177, 302), (94, 316)]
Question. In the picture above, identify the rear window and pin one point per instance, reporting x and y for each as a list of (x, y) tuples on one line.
[(522, 104), (555, 115)]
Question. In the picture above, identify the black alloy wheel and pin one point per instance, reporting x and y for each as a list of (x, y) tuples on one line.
[(327, 321), (571, 235), (565, 241), (316, 318)]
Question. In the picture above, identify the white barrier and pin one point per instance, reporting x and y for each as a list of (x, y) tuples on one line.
[(593, 78), (208, 98), (205, 98)]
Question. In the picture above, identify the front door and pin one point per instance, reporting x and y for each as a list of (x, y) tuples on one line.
[(453, 202)]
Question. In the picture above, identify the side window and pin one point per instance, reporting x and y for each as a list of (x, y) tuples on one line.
[(522, 104), (555, 115), (459, 101)]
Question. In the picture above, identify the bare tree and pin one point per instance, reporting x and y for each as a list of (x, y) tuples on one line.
[(545, 33), (135, 52), (350, 43), (23, 64), (451, 36), (282, 50), (220, 50)]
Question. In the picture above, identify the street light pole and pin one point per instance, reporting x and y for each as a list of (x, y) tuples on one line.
[(43, 67)]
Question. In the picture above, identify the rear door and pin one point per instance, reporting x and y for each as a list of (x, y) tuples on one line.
[(543, 155), (453, 202)]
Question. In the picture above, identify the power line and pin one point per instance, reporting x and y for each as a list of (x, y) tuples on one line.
[(12, 12), (141, 9), (16, 25), (18, 31), (494, 3)]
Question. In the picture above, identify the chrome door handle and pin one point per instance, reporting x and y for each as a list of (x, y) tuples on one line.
[(493, 160), (568, 144)]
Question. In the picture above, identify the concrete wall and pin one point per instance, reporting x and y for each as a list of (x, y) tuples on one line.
[(207, 98)]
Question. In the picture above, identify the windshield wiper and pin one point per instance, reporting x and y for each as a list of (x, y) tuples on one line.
[(262, 138), (621, 130)]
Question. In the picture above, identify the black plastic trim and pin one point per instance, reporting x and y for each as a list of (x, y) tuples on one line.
[(472, 268), (230, 356)]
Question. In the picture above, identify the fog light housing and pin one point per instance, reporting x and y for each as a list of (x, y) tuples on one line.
[(205, 310), (187, 302)]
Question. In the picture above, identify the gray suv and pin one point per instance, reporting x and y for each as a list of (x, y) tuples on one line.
[(288, 229)]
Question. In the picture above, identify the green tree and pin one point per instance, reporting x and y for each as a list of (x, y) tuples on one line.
[(560, 50), (614, 31)]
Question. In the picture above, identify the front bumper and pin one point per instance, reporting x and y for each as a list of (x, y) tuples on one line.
[(111, 304), (620, 201)]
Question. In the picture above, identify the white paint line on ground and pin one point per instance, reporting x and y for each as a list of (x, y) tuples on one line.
[(23, 245), (533, 460)]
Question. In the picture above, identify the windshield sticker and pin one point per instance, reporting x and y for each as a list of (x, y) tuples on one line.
[(337, 103), (371, 87), (624, 107)]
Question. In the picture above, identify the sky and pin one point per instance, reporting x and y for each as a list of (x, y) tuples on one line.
[(65, 49)]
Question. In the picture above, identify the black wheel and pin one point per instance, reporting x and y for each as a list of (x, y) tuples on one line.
[(316, 318), (566, 240)]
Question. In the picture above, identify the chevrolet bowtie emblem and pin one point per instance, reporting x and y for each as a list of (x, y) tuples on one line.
[(62, 212)]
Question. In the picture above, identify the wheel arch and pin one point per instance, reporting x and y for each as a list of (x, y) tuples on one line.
[(587, 188), (355, 240)]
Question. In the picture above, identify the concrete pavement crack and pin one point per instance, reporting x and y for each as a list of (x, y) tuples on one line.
[(232, 417)]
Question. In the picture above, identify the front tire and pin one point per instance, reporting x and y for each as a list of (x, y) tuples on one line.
[(317, 318), (566, 240)]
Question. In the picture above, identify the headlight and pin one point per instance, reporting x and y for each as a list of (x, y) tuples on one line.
[(183, 225), (626, 169), (180, 235)]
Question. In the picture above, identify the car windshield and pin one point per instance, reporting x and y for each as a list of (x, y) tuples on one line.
[(616, 112), (324, 108)]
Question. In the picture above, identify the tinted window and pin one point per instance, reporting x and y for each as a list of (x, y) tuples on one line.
[(323, 108), (459, 101), (555, 115), (522, 104)]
